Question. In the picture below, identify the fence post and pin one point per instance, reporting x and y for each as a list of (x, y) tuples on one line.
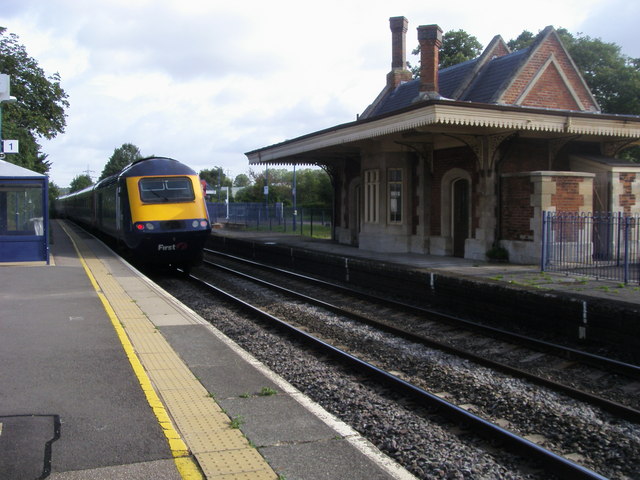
[(543, 256), (627, 231), (620, 231), (284, 219)]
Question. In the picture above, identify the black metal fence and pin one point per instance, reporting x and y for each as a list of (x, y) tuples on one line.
[(601, 245), (312, 222)]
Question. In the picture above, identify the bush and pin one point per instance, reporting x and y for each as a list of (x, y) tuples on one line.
[(497, 253)]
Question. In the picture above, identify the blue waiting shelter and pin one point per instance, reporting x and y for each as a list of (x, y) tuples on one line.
[(24, 215)]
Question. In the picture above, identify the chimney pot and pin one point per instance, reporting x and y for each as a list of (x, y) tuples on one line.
[(399, 26), (430, 39), (399, 72)]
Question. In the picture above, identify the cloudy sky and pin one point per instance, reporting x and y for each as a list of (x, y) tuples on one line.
[(205, 81)]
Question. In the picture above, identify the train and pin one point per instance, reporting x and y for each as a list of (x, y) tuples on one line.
[(154, 209)]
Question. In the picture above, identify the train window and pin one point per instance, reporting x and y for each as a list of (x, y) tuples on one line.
[(160, 190)]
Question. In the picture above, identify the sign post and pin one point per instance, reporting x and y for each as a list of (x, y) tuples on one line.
[(8, 146)]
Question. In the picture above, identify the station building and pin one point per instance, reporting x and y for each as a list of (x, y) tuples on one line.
[(24, 219), (468, 157)]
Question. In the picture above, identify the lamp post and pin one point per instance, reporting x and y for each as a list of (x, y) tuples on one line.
[(295, 206), (5, 97)]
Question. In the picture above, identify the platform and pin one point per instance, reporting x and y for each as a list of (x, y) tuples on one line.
[(527, 276), (579, 311), (105, 375)]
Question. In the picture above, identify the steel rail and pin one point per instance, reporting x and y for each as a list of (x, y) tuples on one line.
[(615, 408), (556, 464), (617, 366)]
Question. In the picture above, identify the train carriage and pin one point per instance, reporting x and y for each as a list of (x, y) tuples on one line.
[(154, 207)]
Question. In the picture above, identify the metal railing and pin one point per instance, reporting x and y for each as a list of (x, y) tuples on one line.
[(312, 222), (601, 245)]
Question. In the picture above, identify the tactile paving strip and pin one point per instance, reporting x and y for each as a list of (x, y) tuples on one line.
[(222, 452)]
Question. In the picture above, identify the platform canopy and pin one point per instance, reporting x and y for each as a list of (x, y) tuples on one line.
[(24, 219)]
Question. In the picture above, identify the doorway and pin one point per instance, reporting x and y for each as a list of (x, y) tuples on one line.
[(460, 217)]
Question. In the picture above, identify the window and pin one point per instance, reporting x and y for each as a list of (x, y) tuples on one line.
[(394, 182), (21, 207), (163, 190), (371, 196)]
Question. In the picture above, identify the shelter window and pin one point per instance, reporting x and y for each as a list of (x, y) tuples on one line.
[(21, 210), (371, 196), (394, 182), (163, 190)]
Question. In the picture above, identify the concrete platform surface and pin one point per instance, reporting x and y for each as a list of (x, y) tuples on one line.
[(105, 375)]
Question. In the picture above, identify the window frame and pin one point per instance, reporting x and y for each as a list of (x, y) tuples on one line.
[(144, 197), (395, 185), (372, 196)]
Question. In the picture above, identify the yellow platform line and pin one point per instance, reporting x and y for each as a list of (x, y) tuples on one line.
[(222, 452), (185, 465)]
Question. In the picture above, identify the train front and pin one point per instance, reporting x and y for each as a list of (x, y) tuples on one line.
[(169, 222)]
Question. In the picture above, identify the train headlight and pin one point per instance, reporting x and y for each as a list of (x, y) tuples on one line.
[(204, 223), (194, 224), (145, 226)]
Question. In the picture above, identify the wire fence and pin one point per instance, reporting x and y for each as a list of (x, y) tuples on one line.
[(312, 222), (601, 245)]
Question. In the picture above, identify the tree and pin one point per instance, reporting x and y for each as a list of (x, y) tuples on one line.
[(524, 40), (40, 108), (313, 188), (613, 77), (80, 182), (54, 193), (122, 156), (215, 177), (241, 180), (457, 47)]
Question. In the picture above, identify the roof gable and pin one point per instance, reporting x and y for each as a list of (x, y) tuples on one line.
[(550, 86), (536, 74), (542, 76)]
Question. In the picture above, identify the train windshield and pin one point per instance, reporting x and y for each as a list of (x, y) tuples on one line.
[(162, 190)]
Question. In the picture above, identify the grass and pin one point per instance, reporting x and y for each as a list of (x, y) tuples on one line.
[(319, 230), (267, 392), (264, 392), (237, 421)]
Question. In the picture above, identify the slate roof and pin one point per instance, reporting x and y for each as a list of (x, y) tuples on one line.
[(486, 87), (492, 78)]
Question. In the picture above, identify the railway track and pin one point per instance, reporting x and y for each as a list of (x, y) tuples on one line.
[(551, 365), (461, 414)]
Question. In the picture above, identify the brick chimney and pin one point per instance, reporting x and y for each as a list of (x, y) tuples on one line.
[(399, 72), (430, 39)]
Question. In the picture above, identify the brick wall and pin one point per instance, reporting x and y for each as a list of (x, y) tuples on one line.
[(525, 195), (517, 211), (550, 91), (627, 197), (526, 155), (552, 86), (568, 197)]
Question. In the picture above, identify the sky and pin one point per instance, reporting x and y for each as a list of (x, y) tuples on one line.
[(204, 81)]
